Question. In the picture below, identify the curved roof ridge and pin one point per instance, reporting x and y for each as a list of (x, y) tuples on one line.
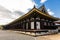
[(43, 9)]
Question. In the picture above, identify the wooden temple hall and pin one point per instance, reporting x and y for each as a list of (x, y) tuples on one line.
[(36, 20)]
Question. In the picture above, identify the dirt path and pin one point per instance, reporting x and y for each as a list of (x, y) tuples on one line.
[(8, 35), (49, 37), (11, 35)]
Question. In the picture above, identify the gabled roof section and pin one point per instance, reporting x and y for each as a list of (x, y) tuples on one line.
[(40, 12), (43, 9), (30, 12)]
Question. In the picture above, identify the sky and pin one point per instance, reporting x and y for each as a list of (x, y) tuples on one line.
[(12, 9)]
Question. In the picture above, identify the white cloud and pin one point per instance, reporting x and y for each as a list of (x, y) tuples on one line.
[(43, 1), (5, 16), (50, 12), (4, 21), (22, 5)]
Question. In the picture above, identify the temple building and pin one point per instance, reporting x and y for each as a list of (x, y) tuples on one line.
[(36, 20), (58, 25)]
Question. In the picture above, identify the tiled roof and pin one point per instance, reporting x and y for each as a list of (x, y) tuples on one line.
[(37, 10)]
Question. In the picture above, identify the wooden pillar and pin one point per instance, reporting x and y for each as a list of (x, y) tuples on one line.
[(29, 25), (40, 24), (23, 26), (35, 25), (50, 23), (47, 23), (53, 23), (20, 26)]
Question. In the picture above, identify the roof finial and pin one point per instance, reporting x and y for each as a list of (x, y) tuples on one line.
[(34, 6), (43, 5)]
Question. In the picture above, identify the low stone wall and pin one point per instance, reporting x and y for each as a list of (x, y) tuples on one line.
[(39, 33)]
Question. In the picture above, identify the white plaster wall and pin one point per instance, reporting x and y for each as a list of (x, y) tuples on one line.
[(32, 25), (26, 25), (38, 25)]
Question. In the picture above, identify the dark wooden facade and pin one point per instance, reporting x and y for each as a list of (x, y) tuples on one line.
[(35, 19)]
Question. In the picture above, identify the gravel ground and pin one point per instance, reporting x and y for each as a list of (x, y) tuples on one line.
[(8, 35), (49, 37), (11, 35)]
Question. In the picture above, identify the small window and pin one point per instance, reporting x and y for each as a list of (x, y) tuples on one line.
[(32, 18), (38, 18), (42, 19), (27, 19)]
